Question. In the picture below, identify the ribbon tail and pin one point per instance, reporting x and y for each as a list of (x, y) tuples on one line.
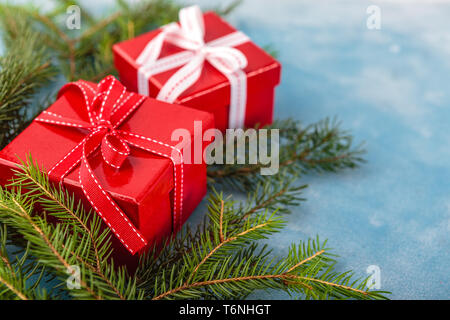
[(66, 164), (142, 80), (166, 151), (108, 210), (238, 99), (152, 49), (60, 170)]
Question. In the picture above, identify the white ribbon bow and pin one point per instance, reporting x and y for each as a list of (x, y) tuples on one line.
[(189, 35)]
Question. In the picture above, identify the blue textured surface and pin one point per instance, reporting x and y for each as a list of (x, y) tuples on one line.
[(390, 87)]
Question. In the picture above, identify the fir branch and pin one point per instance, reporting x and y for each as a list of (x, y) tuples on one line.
[(77, 239), (224, 241), (276, 194), (223, 263), (62, 206), (98, 26), (16, 212), (21, 276), (279, 192), (23, 70), (69, 44)]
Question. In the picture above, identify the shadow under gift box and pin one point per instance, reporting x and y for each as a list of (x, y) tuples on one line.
[(143, 186), (212, 91)]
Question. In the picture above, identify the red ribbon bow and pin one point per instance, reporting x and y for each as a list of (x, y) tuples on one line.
[(108, 104)]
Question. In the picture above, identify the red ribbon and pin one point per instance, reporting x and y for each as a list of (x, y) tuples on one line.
[(108, 104)]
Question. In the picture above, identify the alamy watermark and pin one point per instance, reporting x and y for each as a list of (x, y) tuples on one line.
[(73, 20), (74, 279), (374, 281), (373, 21), (249, 146)]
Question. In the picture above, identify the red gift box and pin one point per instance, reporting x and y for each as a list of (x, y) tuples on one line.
[(148, 182), (211, 91)]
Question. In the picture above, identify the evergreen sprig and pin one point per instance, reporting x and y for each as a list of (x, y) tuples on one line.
[(19, 279), (223, 258), (78, 238), (24, 69), (225, 262)]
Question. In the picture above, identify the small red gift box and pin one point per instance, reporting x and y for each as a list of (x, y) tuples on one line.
[(114, 150), (204, 63)]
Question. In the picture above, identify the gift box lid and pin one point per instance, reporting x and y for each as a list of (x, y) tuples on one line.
[(141, 174), (262, 69)]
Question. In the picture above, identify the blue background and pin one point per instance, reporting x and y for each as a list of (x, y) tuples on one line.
[(390, 87)]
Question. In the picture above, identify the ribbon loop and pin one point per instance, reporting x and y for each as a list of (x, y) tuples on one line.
[(192, 25), (114, 150), (113, 93)]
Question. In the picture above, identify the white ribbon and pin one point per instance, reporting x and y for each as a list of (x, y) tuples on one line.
[(189, 35)]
